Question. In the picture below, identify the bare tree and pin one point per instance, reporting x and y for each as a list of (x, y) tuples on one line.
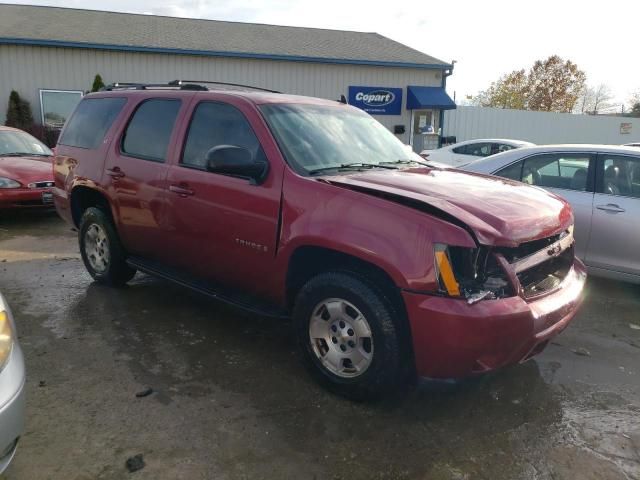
[(602, 97), (595, 99), (585, 102)]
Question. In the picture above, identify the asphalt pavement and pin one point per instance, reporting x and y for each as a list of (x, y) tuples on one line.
[(153, 381)]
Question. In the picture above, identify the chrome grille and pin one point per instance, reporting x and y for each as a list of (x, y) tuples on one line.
[(542, 265)]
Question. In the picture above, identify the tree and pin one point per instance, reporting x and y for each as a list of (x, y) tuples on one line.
[(595, 99), (634, 101), (552, 85), (510, 91), (98, 84), (19, 112), (555, 85)]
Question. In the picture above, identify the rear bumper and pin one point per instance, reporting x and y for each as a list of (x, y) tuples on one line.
[(61, 202), (12, 406), (452, 339), (25, 198)]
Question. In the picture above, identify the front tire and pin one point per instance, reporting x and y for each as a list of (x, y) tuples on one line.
[(101, 250), (348, 334)]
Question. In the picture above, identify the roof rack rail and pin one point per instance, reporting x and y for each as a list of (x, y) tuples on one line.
[(145, 86), (209, 82), (180, 84)]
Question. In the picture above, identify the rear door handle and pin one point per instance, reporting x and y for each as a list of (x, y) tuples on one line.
[(115, 172), (182, 190), (611, 207)]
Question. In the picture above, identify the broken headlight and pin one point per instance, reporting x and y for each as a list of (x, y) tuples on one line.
[(470, 273)]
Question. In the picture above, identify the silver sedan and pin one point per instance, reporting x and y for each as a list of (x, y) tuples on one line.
[(12, 378), (602, 184)]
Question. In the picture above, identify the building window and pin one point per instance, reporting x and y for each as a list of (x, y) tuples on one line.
[(56, 106)]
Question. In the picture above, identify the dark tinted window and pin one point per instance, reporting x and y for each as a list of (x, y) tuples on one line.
[(149, 129), (513, 171), (91, 121), (475, 149), (500, 147), (215, 124), (621, 175)]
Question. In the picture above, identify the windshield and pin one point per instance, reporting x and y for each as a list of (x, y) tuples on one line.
[(14, 143), (319, 138)]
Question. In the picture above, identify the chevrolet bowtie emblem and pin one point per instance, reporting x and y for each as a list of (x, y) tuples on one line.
[(555, 250)]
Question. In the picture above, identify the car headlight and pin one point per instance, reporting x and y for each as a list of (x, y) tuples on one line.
[(8, 183), (469, 273), (6, 338)]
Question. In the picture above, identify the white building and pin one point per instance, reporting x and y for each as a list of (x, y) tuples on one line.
[(50, 56)]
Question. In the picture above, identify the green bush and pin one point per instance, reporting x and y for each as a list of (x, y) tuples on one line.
[(19, 112), (97, 83)]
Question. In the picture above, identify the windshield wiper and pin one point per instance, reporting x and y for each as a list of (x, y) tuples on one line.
[(352, 166), (23, 154), (406, 161)]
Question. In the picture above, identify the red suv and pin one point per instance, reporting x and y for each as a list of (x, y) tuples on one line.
[(307, 208)]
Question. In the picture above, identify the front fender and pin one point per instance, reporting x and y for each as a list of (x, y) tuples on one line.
[(394, 237)]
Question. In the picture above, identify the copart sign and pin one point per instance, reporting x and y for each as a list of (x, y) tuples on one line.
[(376, 100)]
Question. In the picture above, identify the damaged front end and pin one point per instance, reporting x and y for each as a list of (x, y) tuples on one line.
[(487, 273)]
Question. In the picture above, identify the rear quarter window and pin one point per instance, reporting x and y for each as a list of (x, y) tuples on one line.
[(90, 122)]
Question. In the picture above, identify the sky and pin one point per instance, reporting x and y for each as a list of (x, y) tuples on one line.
[(486, 38)]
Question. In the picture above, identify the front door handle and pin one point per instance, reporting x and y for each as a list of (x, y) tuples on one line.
[(115, 172), (182, 190), (610, 207)]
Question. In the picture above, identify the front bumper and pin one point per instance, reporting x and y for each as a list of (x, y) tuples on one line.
[(12, 406), (25, 198), (452, 339)]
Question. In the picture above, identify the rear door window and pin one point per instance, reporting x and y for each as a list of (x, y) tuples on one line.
[(149, 131), (513, 171), (214, 124), (566, 171), (90, 122), (619, 175)]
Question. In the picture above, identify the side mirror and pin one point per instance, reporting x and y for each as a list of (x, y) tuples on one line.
[(236, 161)]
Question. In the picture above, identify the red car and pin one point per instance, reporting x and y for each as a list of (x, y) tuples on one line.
[(311, 209), (26, 176)]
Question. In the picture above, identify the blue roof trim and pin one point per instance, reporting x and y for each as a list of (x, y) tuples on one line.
[(428, 97), (208, 53)]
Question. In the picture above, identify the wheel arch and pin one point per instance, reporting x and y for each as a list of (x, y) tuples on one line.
[(83, 197), (308, 261)]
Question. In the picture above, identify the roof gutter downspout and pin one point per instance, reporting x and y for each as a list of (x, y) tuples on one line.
[(445, 73)]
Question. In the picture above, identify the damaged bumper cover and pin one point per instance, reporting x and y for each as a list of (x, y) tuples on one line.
[(534, 292)]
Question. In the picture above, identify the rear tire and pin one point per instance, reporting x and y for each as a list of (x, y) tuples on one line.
[(348, 335), (101, 250)]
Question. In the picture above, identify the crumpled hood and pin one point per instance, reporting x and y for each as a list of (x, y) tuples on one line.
[(499, 211), (26, 169)]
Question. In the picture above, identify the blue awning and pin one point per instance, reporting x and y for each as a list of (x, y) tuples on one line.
[(428, 97)]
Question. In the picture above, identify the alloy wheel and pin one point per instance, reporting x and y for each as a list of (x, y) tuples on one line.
[(341, 338)]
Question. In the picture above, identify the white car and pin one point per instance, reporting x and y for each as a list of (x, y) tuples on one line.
[(463, 153), (602, 184)]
